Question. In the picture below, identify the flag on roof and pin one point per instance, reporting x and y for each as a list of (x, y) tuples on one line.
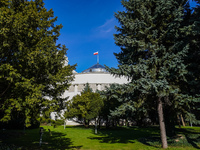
[(96, 53)]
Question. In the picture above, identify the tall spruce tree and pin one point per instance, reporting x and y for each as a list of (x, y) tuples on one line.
[(33, 70), (192, 17), (154, 45)]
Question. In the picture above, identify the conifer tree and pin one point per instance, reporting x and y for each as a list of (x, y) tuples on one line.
[(33, 70), (86, 89), (192, 17), (152, 37), (122, 103), (111, 99)]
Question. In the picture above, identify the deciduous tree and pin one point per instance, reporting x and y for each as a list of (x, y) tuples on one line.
[(85, 106), (33, 70)]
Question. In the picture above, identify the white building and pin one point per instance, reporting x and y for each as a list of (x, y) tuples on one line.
[(96, 76)]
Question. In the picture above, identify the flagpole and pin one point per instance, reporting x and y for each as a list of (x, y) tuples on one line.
[(97, 58), (97, 53)]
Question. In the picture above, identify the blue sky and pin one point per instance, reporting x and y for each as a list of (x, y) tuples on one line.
[(88, 26)]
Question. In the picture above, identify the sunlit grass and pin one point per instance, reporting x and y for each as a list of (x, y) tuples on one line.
[(121, 138)]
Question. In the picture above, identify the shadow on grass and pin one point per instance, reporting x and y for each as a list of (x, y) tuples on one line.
[(149, 136), (57, 140), (128, 135), (190, 136), (193, 141), (184, 137), (30, 140)]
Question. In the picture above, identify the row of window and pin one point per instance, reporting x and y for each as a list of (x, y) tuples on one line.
[(93, 86)]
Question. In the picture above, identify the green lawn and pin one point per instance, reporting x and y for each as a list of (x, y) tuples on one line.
[(121, 138)]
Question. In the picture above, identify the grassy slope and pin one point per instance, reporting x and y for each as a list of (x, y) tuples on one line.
[(113, 139)]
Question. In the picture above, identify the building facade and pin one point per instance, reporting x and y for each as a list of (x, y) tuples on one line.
[(97, 77)]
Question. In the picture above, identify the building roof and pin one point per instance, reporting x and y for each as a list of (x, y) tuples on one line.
[(95, 68)]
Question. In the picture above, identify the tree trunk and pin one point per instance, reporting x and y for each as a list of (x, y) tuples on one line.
[(162, 124), (107, 123), (182, 120), (99, 121), (96, 125), (85, 123), (179, 123)]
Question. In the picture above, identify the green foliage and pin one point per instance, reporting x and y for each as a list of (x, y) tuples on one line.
[(87, 89), (33, 74), (158, 41), (192, 17), (114, 99), (121, 102), (110, 96), (85, 106)]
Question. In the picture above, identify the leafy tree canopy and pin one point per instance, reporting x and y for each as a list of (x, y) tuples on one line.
[(85, 106), (33, 70)]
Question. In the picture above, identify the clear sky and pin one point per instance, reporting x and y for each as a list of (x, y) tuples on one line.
[(88, 26)]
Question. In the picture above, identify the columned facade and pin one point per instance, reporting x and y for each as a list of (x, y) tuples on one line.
[(97, 78)]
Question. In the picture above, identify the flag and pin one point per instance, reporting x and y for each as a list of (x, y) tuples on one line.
[(96, 53)]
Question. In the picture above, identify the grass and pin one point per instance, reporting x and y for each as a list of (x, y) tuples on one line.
[(80, 138)]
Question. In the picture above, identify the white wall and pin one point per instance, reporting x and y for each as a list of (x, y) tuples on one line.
[(95, 79)]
